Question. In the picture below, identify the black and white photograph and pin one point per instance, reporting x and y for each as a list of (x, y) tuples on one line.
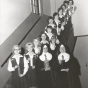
[(43, 43)]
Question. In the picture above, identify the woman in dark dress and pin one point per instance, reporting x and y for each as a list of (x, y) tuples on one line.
[(52, 24), (54, 51), (58, 23), (44, 69), (18, 66), (54, 46), (49, 32), (31, 58), (64, 68), (44, 39)]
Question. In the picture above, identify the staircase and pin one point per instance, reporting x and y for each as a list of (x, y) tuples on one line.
[(32, 32), (34, 26)]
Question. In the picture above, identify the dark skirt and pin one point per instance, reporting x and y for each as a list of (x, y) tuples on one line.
[(46, 79), (64, 79), (18, 82), (31, 77)]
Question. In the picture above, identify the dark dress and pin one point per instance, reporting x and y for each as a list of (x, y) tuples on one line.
[(31, 76), (45, 78), (64, 76), (17, 81), (54, 62)]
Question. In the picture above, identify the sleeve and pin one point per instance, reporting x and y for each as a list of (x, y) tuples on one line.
[(10, 68), (67, 56), (25, 66), (49, 56)]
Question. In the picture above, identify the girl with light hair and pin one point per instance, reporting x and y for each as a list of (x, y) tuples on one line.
[(31, 58), (18, 66)]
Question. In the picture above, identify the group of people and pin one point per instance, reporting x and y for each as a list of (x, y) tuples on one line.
[(47, 62)]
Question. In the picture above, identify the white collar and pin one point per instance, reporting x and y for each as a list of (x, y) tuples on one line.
[(17, 56), (66, 56), (32, 53), (45, 41), (48, 56), (51, 25), (49, 34)]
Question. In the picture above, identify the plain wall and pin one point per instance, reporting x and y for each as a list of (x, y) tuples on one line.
[(51, 6), (80, 24), (58, 3), (13, 13), (46, 7), (80, 18), (81, 53)]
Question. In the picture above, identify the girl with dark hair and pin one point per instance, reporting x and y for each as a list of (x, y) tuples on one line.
[(44, 39), (57, 22), (66, 4), (52, 24), (49, 32), (71, 8)]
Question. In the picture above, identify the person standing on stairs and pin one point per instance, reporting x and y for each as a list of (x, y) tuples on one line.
[(31, 58), (18, 66)]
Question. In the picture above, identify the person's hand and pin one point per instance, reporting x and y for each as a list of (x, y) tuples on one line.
[(65, 69), (42, 69), (21, 75), (58, 33), (60, 62), (16, 66), (57, 41), (47, 69), (33, 67)]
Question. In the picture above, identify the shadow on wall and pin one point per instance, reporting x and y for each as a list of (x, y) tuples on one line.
[(75, 70)]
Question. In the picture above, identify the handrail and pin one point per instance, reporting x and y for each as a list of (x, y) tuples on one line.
[(21, 40), (29, 37)]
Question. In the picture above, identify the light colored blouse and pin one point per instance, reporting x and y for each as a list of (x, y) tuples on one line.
[(31, 55), (37, 50), (52, 46), (17, 58)]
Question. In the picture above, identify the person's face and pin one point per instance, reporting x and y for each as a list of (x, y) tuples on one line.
[(62, 49), (30, 48), (50, 21), (36, 42), (60, 12), (49, 30), (17, 50), (56, 17), (43, 37), (66, 4), (70, 2), (45, 49), (63, 7)]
